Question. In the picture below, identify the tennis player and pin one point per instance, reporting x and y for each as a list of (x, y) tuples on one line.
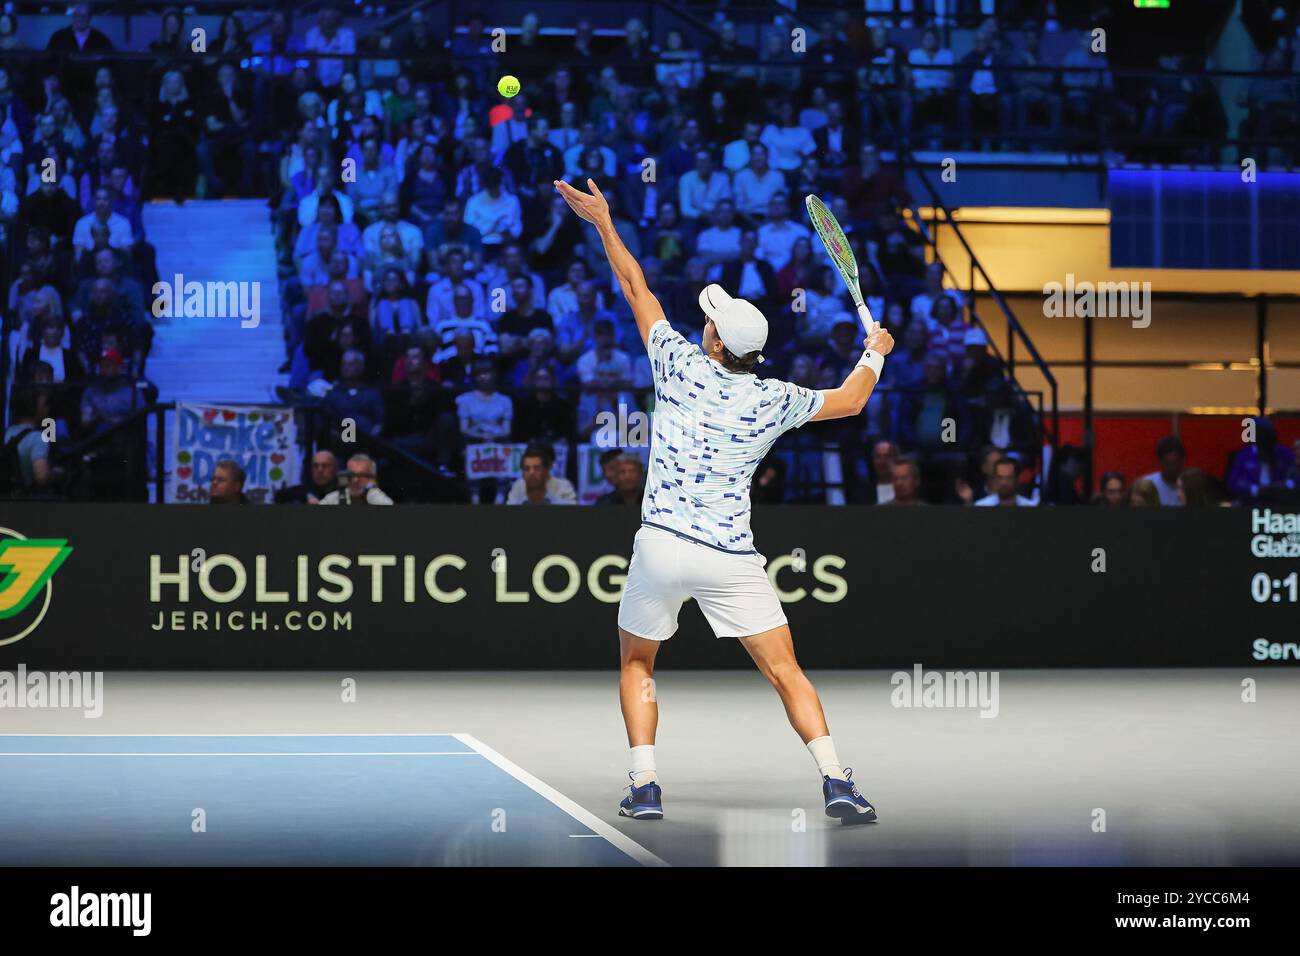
[(714, 421)]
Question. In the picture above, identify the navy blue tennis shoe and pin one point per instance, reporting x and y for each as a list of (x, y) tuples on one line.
[(845, 803), (643, 803)]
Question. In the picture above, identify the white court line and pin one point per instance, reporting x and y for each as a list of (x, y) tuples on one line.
[(289, 734), (256, 753), (623, 842)]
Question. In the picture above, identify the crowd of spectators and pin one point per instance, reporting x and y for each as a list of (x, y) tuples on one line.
[(436, 292)]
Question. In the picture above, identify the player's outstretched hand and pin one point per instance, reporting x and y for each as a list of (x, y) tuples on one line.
[(879, 340), (590, 206)]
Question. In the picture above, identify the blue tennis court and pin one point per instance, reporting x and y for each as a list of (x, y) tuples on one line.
[(288, 800)]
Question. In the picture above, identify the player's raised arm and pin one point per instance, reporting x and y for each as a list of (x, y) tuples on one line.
[(851, 397), (593, 208)]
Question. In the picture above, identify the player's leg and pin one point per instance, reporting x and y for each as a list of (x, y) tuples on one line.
[(773, 652), (636, 694), (647, 616), (636, 688)]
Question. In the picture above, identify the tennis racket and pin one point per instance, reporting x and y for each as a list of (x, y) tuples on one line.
[(841, 253)]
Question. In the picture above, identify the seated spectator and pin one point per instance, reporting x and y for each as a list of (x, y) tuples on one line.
[(395, 311), (362, 486), (629, 482), (906, 363), (593, 248), (1006, 476), (1113, 491), (540, 354), (515, 325), (756, 184), (326, 185), (1086, 79), (752, 276), (26, 452), (700, 189), (777, 236), (787, 142), (391, 255), (1262, 466), (457, 365), (174, 139), (409, 234), (484, 413), (374, 179), (227, 486), (320, 335), (1172, 458), (420, 416), (341, 268), (924, 416), (443, 291), (323, 479), (668, 239), (533, 161), (1143, 494), (119, 227), (465, 317), (1035, 90), (352, 400), (738, 153), (720, 243), (496, 214), (923, 302), (111, 397), (880, 477), (537, 486), (65, 365), (905, 484), (932, 86), (543, 414), (228, 148), (872, 190), (984, 88), (1194, 489), (553, 249), (328, 216), (837, 142), (498, 278)]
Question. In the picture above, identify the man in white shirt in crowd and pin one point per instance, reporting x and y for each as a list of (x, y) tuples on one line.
[(536, 485), (494, 212), (485, 414), (720, 243), (700, 190), (119, 227), (361, 488), (1172, 457), (787, 142), (756, 184), (736, 154), (1006, 474), (778, 235)]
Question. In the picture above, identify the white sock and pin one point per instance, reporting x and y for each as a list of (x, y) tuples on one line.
[(643, 765), (823, 754)]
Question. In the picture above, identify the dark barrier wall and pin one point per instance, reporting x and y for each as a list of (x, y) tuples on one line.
[(427, 587)]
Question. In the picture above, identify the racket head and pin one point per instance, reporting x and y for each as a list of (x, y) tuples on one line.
[(836, 243)]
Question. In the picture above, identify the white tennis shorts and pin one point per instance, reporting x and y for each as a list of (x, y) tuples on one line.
[(731, 589)]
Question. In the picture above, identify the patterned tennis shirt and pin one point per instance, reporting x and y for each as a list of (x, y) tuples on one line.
[(711, 428)]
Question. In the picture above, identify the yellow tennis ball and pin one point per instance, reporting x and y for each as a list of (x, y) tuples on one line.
[(508, 86)]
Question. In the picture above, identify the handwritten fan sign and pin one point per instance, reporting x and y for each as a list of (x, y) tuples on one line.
[(261, 440)]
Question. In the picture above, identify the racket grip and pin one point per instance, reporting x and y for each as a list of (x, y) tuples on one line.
[(864, 314)]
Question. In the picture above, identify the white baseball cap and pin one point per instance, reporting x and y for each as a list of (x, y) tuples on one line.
[(740, 325)]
